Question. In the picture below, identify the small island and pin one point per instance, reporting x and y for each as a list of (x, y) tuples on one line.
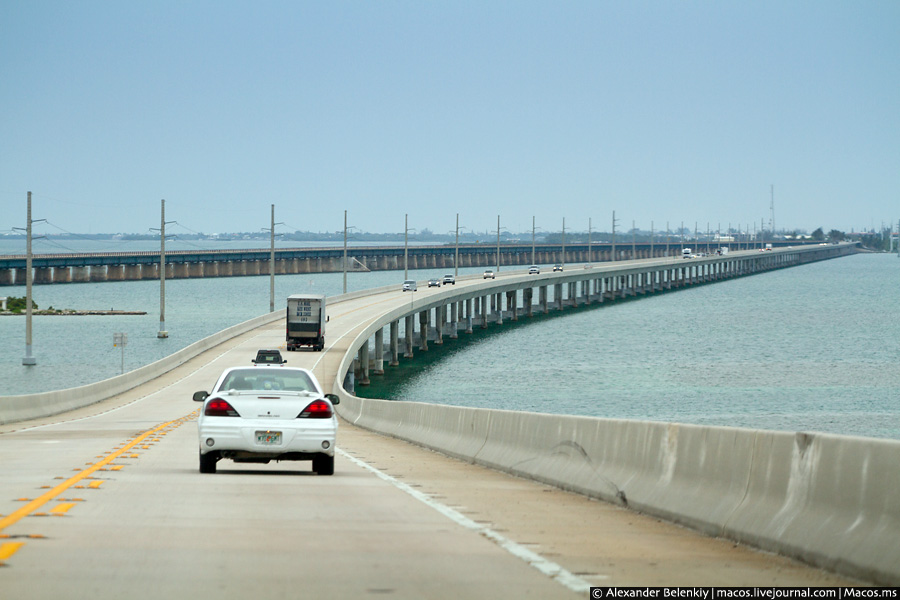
[(16, 306)]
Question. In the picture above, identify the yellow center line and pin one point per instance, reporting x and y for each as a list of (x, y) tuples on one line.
[(7, 549), (35, 504)]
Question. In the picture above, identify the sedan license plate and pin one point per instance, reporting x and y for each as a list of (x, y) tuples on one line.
[(268, 438)]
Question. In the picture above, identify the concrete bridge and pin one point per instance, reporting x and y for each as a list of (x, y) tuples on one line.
[(136, 518), (86, 267)]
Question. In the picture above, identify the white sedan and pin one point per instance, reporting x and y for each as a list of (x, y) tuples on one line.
[(265, 413)]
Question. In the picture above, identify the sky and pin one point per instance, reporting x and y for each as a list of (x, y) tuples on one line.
[(664, 112)]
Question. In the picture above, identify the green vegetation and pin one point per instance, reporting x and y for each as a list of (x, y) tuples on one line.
[(17, 305)]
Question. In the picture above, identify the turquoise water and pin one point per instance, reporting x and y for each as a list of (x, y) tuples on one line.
[(813, 348)]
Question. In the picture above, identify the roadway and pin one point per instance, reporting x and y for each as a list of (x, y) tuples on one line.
[(107, 502)]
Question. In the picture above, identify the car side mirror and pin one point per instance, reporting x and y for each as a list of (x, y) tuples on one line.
[(200, 396), (334, 398)]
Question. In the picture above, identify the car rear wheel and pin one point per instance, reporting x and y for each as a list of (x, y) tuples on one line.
[(323, 464), (208, 462)]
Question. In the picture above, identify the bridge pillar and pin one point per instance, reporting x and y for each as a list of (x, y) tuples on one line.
[(364, 364), (542, 299), (195, 270), (439, 319), (395, 343), (454, 320), (132, 273), (513, 304), (409, 336), (528, 301), (484, 312), (558, 295), (499, 305), (42, 275), (423, 330), (211, 269), (97, 273), (379, 352), (115, 273), (7, 276), (469, 303), (62, 275)]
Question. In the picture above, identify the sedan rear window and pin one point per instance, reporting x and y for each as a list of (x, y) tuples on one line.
[(268, 380)]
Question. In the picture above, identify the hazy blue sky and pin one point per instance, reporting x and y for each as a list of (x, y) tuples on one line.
[(664, 111)]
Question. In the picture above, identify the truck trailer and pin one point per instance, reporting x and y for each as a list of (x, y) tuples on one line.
[(305, 321)]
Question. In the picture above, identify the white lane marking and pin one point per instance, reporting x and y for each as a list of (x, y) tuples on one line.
[(547, 567)]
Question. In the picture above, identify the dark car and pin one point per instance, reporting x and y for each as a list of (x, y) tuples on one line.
[(268, 357), (434, 283)]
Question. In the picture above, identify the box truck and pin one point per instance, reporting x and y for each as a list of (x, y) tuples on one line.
[(305, 321)]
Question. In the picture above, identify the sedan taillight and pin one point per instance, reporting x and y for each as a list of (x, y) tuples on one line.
[(220, 408), (317, 409)]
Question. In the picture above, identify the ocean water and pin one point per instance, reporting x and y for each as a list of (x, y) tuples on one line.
[(811, 348)]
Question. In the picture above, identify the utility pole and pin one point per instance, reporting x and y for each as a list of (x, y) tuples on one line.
[(28, 360), (532, 240), (162, 271), (456, 256), (590, 248), (651, 239), (772, 209), (498, 243), (614, 236), (563, 261), (272, 262), (406, 231)]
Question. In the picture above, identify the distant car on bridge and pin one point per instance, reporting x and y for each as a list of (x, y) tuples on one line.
[(489, 274), (409, 285), (434, 282), (449, 280)]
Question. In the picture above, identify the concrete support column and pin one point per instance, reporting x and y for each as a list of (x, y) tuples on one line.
[(211, 269), (558, 295), (63, 275), (469, 303), (439, 319), (395, 343), (423, 330), (132, 273), (364, 364), (542, 299), (195, 270), (499, 300), (454, 320), (528, 299), (115, 273), (182, 270), (410, 320), (484, 312), (379, 352), (98, 273), (42, 275), (7, 276)]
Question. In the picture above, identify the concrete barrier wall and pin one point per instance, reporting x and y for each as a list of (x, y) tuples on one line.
[(828, 500)]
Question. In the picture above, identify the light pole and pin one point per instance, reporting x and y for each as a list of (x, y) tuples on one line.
[(344, 267), (162, 270), (271, 231), (498, 243), (563, 258), (28, 360), (406, 231)]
